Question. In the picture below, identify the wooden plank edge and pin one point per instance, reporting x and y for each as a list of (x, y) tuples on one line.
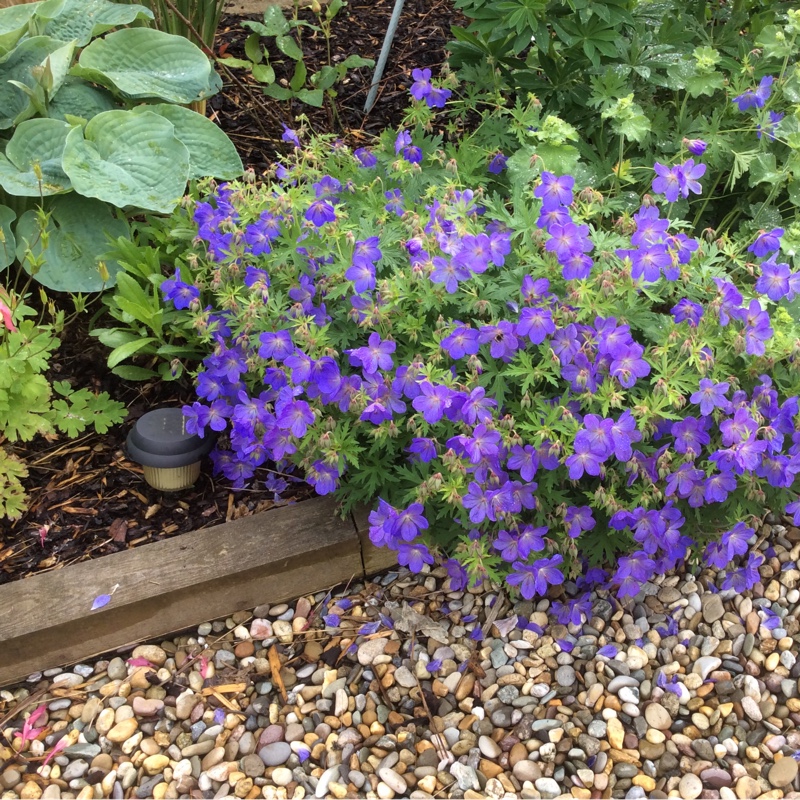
[(158, 610)]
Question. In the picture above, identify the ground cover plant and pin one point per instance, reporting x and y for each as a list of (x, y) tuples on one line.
[(521, 382)]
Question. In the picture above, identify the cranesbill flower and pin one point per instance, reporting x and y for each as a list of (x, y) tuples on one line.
[(534, 579), (690, 436), (774, 118), (794, 509), (576, 267), (477, 407), (623, 432), (395, 204), (432, 402), (501, 338), (766, 242), (774, 280), (735, 541), (757, 327), (484, 443), (578, 519), (687, 311), (649, 262), (567, 239), (373, 356), (276, 345), (650, 228), (296, 417), (366, 158), (719, 486), (376, 413), (573, 612), (711, 395), (499, 246), (289, 135), (478, 502), (535, 323), (531, 540), (525, 460), (553, 216), (497, 164), (507, 545), (381, 523), (437, 97), (423, 449), (409, 522), (554, 190), (629, 367), (689, 174), (695, 146), (422, 84), (474, 253), (362, 275), (585, 458), (633, 571), (667, 181), (448, 273), (180, 294), (746, 577), (462, 341), (755, 98), (323, 477), (319, 212)]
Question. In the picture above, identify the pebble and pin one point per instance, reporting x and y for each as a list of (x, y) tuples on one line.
[(527, 720)]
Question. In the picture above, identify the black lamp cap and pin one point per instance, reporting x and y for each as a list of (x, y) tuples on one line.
[(158, 439)]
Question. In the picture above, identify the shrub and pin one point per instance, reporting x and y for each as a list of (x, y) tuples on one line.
[(96, 132), (640, 82), (524, 384)]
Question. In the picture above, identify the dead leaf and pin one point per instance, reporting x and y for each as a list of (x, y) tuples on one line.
[(152, 511), (275, 669), (407, 620), (118, 530)]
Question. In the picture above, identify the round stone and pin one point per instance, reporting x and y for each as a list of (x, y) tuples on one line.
[(275, 754), (690, 786), (565, 676), (489, 747), (783, 772), (658, 717), (281, 776)]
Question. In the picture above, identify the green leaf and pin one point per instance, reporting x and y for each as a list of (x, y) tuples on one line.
[(174, 70), (78, 231), (313, 97), (9, 244), (130, 373), (211, 153), (288, 46), (82, 20), (76, 98), (37, 142), (263, 73), (325, 78), (14, 24), (236, 63), (275, 23), (252, 48), (128, 159), (773, 40), (19, 66), (705, 83), (299, 78), (125, 351), (278, 92), (334, 7), (355, 61)]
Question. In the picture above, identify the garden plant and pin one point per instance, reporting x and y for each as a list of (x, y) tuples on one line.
[(526, 372)]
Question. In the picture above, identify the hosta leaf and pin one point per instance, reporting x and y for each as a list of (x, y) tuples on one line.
[(18, 66), (211, 152), (14, 24), (78, 231), (36, 142), (77, 98), (128, 159), (81, 20), (9, 244), (173, 68)]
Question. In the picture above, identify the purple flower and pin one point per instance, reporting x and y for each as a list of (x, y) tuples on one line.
[(766, 242), (462, 341), (774, 118), (666, 182), (434, 665), (585, 457), (690, 173), (381, 524), (568, 239), (757, 327), (755, 98), (180, 294), (409, 522), (719, 486), (534, 579), (432, 401), (422, 84), (690, 436), (296, 416), (774, 280), (578, 519), (289, 135), (794, 509), (554, 191), (630, 366), (332, 620), (746, 577), (710, 396), (687, 311), (424, 449), (650, 227), (573, 611), (366, 158), (525, 460), (374, 356), (449, 273), (395, 204), (497, 164), (508, 546), (623, 433), (632, 572), (478, 502), (457, 574), (414, 556), (501, 338), (608, 651), (276, 345), (536, 323), (735, 541), (319, 212), (695, 146)]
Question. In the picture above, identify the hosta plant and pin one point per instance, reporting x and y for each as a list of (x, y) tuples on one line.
[(96, 132), (528, 386)]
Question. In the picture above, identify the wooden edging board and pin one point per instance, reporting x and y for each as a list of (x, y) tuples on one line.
[(46, 620)]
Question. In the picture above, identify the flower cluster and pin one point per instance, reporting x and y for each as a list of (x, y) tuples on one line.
[(507, 395), (423, 89)]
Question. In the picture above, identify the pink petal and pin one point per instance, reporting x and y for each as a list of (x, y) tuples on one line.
[(60, 745), (139, 662)]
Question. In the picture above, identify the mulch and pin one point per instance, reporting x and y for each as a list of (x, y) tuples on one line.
[(86, 499)]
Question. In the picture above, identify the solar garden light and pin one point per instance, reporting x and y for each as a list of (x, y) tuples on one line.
[(170, 456)]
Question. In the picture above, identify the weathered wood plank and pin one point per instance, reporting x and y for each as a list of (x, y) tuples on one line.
[(375, 559), (169, 585)]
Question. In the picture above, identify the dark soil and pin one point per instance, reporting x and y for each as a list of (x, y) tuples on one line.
[(86, 499), (253, 121)]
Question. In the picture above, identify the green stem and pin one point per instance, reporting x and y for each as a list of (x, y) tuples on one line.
[(706, 201)]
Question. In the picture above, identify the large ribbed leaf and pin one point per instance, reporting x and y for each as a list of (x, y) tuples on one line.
[(82, 20), (78, 99), (78, 239), (147, 63), (129, 160), (9, 244), (14, 24), (211, 152), (18, 66), (35, 142)]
